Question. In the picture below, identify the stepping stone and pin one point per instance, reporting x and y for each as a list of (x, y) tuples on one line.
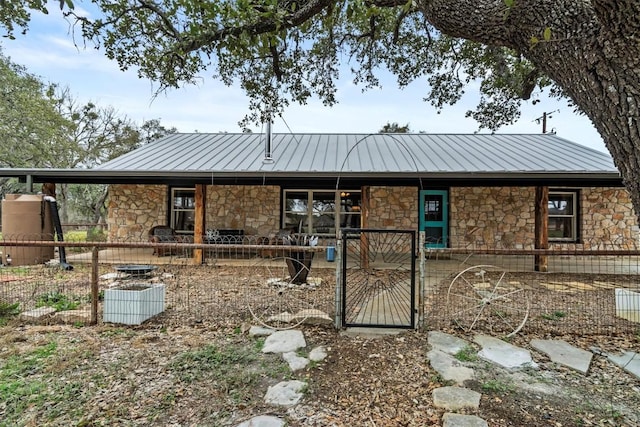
[(456, 398), (286, 393), (456, 420), (38, 313), (563, 353), (313, 316), (449, 368), (629, 361), (504, 354), (318, 354), (445, 342), (262, 421), (308, 317), (295, 362), (284, 342), (259, 331), (371, 333)]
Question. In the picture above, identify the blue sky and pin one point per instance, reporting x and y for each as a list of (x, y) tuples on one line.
[(48, 50)]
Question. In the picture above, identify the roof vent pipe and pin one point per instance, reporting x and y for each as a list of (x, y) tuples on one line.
[(267, 145)]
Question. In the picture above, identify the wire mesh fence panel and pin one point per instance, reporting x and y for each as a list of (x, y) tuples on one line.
[(132, 282), (592, 291), (582, 291)]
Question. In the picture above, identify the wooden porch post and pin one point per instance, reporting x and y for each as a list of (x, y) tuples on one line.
[(542, 227), (198, 228), (365, 199)]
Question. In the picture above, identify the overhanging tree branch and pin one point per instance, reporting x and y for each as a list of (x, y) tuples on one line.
[(307, 11)]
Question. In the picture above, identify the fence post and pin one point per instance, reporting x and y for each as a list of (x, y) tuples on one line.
[(338, 319), (421, 284), (200, 214), (94, 285), (365, 203), (541, 227)]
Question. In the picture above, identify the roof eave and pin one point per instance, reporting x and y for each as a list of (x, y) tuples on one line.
[(94, 176)]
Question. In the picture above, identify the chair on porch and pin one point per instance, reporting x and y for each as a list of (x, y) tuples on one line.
[(166, 234)]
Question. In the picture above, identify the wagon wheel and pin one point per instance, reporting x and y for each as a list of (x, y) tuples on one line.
[(280, 294), (485, 297)]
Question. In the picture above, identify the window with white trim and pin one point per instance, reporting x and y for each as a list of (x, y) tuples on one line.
[(563, 216), (183, 210), (315, 211)]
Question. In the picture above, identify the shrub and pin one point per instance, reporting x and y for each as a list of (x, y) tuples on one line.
[(96, 234), (57, 300)]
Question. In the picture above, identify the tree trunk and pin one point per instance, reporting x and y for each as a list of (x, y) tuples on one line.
[(99, 207), (62, 203), (593, 55)]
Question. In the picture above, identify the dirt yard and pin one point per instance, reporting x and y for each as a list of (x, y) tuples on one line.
[(212, 375), (194, 365)]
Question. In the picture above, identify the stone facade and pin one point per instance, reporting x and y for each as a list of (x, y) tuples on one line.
[(394, 208), (490, 217), (255, 209), (608, 219), (133, 209), (504, 218)]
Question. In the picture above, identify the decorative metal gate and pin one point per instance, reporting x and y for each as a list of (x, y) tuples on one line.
[(378, 278)]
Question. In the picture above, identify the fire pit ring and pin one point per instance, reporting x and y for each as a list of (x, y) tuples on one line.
[(135, 269)]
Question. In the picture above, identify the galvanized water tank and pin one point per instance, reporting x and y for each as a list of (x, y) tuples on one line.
[(26, 217)]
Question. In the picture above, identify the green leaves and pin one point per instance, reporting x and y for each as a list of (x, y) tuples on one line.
[(290, 51), (546, 36), (31, 127), (18, 14)]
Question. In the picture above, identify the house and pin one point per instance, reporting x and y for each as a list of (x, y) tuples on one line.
[(479, 189)]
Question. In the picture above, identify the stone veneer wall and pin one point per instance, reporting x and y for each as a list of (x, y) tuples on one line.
[(608, 220), (255, 209), (394, 208), (133, 209), (492, 217), (504, 218)]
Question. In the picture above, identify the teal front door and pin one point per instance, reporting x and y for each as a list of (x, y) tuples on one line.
[(433, 217)]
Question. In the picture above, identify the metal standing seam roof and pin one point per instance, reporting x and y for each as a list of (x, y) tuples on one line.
[(364, 153), (442, 159)]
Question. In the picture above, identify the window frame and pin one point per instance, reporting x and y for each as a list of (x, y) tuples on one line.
[(309, 216), (173, 211), (575, 216)]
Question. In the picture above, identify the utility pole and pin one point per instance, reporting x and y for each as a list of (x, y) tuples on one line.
[(541, 232), (544, 118)]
